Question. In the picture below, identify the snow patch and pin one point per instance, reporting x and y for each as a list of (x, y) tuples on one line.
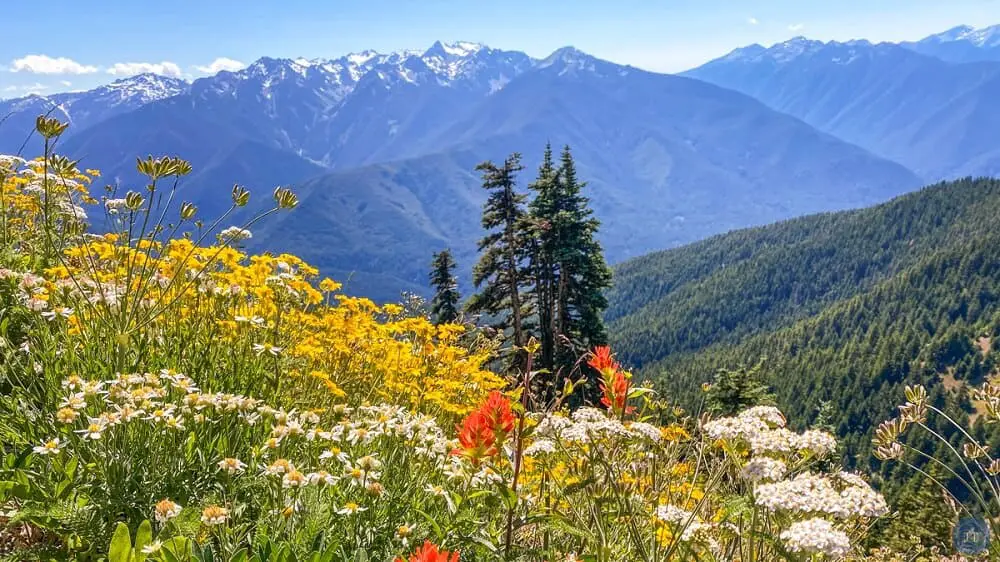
[(497, 84)]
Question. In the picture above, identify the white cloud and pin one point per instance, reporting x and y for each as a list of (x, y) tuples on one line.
[(43, 64), (796, 27), (66, 83), (220, 64), (164, 68), (752, 21), (10, 89)]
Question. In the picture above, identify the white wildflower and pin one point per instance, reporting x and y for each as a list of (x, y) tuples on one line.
[(214, 515), (820, 443), (50, 447), (816, 536), (231, 465), (539, 447), (647, 430), (235, 234), (680, 518), (764, 468), (767, 414), (166, 510), (350, 508)]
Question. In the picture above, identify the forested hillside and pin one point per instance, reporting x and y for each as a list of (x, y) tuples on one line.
[(842, 309)]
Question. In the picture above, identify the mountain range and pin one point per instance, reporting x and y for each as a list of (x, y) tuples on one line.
[(382, 147), (939, 119), (963, 43)]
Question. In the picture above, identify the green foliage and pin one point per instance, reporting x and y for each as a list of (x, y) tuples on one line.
[(920, 517), (500, 273), (567, 267), (734, 390), (847, 308), (444, 306)]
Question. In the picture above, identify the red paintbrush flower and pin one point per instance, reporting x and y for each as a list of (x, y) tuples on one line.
[(615, 395), (601, 359), (429, 553), (476, 437), (614, 381), (498, 414)]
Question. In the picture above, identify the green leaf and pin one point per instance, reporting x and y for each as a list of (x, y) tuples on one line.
[(177, 549), (430, 520), (121, 545), (207, 554), (189, 446), (63, 489), (70, 467), (638, 391), (143, 536), (509, 496)]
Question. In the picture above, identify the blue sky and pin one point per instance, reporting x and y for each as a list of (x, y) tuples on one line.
[(74, 44)]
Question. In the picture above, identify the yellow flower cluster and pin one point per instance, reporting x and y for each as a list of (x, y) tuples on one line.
[(153, 288)]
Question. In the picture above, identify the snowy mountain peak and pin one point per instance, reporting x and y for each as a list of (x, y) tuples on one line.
[(566, 55), (358, 59), (797, 46), (460, 49), (980, 37), (144, 88), (985, 37), (954, 34), (783, 52)]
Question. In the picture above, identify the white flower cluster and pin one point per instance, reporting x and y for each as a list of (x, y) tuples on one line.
[(9, 162), (115, 206), (819, 443), (763, 428), (168, 400), (586, 425), (816, 536), (681, 519), (235, 234), (645, 430), (734, 428), (764, 469), (540, 447), (814, 493)]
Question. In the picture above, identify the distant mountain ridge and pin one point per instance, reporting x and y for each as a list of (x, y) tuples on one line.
[(936, 118), (963, 43), (81, 109)]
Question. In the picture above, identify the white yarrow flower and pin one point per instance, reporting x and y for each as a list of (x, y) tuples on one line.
[(816, 536)]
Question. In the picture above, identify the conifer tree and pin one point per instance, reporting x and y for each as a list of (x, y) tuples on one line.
[(543, 270), (500, 274), (569, 274), (924, 515), (444, 306), (583, 273), (734, 390)]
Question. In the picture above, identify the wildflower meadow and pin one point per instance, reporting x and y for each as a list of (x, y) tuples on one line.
[(166, 395)]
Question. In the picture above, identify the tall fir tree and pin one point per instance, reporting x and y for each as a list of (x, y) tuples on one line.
[(569, 274), (445, 304), (543, 269), (500, 275), (733, 390)]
